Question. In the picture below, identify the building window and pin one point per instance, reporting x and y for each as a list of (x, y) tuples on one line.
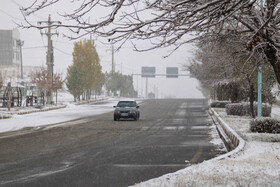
[(17, 56)]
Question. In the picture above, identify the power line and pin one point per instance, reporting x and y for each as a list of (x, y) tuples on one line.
[(16, 3), (20, 6), (62, 51), (37, 47), (11, 15), (64, 42)]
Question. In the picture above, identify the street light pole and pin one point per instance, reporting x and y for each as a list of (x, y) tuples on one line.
[(113, 64), (20, 44), (260, 90), (260, 76)]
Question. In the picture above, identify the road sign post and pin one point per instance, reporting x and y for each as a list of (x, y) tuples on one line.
[(148, 72)]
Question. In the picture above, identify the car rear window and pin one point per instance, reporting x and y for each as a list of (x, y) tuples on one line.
[(126, 104)]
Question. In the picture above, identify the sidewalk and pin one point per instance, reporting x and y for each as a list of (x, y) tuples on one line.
[(64, 99), (257, 163), (32, 118)]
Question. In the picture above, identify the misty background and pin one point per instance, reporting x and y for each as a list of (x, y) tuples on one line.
[(126, 60)]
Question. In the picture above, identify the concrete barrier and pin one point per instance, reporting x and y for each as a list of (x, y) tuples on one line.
[(227, 133)]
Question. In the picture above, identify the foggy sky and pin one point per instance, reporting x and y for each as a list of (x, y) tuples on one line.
[(126, 60)]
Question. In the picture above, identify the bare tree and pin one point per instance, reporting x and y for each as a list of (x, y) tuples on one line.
[(169, 22), (223, 66)]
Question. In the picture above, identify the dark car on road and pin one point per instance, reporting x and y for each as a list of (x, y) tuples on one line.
[(126, 109)]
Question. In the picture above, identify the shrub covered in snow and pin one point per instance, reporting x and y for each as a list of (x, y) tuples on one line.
[(265, 125), (219, 104), (243, 109)]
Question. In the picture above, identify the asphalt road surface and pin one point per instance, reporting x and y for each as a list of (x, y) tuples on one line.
[(97, 151)]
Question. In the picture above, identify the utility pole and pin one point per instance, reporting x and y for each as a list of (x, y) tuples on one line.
[(50, 58), (113, 65), (20, 44), (147, 87), (9, 96)]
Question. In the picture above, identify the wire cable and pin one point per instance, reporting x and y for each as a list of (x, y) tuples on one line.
[(20, 6), (36, 47), (9, 15), (62, 51)]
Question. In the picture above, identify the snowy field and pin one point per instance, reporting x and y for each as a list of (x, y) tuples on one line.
[(258, 164)]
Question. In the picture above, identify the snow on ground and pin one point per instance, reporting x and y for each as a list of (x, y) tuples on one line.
[(54, 116), (258, 164), (71, 112), (275, 111)]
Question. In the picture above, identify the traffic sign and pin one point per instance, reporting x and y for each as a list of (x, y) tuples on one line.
[(148, 72), (172, 72)]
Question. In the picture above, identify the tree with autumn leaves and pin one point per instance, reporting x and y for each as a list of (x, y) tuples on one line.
[(40, 78), (84, 75)]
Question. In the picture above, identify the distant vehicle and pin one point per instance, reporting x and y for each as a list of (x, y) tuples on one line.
[(126, 109)]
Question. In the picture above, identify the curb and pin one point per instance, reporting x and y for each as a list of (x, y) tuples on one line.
[(3, 116), (40, 110), (237, 142), (227, 142), (9, 115), (91, 101)]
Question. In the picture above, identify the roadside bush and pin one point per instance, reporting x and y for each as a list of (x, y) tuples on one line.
[(265, 125), (243, 109), (219, 104)]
